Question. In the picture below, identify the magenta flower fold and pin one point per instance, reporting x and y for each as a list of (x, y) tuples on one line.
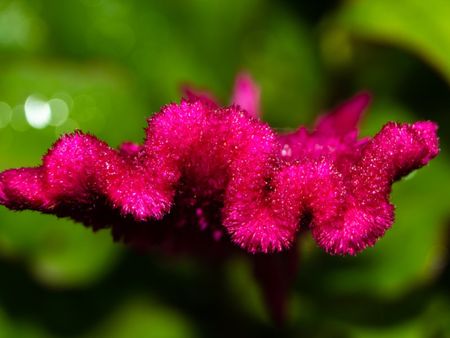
[(207, 174)]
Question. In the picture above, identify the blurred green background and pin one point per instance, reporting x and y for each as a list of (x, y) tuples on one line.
[(105, 65)]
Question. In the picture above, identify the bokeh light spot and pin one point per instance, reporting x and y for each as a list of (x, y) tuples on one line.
[(5, 114), (37, 112), (59, 112)]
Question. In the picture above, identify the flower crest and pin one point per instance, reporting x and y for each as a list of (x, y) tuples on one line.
[(204, 171)]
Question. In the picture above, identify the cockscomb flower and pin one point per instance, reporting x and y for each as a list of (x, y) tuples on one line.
[(206, 175)]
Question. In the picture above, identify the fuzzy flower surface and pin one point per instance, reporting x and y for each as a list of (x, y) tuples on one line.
[(208, 174)]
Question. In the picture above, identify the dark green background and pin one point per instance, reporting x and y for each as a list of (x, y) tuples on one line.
[(113, 63)]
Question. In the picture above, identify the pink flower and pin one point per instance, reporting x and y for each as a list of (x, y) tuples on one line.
[(206, 174)]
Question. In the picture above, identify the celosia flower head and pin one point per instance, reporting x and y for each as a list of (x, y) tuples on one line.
[(207, 174)]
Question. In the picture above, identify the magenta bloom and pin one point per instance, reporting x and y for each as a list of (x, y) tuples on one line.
[(207, 174)]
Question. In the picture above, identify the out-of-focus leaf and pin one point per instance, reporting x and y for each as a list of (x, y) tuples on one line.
[(410, 329), (165, 53), (163, 43), (245, 288), (73, 255), (21, 29), (58, 252), (431, 322), (142, 318), (420, 26), (10, 329), (284, 59)]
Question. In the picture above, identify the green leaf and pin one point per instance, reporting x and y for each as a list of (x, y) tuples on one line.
[(140, 318), (19, 329), (422, 27), (284, 60), (58, 252)]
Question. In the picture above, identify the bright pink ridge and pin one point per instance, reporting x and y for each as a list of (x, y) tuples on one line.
[(222, 168)]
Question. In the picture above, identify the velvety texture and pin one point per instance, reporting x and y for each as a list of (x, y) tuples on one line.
[(206, 174)]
